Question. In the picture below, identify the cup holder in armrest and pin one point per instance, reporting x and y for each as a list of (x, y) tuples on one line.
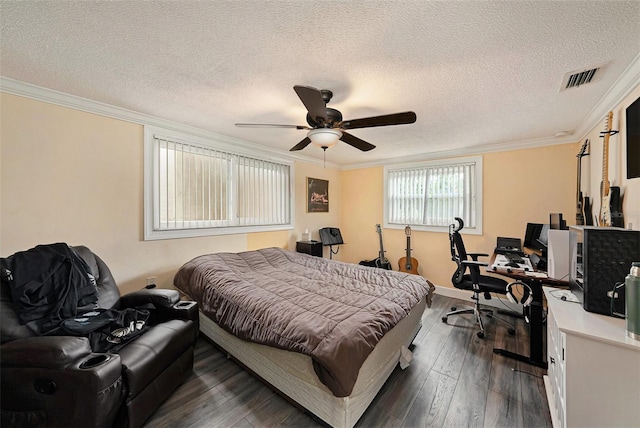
[(94, 360), (184, 304)]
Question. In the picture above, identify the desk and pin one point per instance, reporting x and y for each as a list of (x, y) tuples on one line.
[(536, 322)]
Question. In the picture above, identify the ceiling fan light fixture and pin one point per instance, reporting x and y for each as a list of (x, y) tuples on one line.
[(324, 137)]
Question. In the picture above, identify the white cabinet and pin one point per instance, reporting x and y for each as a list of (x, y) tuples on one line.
[(593, 379)]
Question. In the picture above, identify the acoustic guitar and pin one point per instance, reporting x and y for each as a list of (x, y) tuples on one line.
[(610, 202), (408, 264)]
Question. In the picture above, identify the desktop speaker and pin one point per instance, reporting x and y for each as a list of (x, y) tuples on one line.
[(601, 257)]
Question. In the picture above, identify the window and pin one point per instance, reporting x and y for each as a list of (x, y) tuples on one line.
[(195, 187), (429, 195)]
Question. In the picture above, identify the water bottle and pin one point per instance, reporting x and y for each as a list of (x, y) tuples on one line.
[(632, 298)]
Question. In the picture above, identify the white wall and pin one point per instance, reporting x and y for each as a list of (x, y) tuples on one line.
[(77, 177), (592, 165)]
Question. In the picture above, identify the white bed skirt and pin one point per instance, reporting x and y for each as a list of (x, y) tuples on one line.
[(292, 373)]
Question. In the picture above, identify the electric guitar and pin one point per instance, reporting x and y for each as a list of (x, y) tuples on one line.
[(610, 202), (382, 262), (583, 213), (408, 264), (587, 213)]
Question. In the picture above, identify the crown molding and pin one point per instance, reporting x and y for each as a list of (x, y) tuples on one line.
[(469, 151), (51, 96), (628, 81)]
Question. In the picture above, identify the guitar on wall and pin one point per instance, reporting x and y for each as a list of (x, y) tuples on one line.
[(408, 264), (583, 205), (610, 201)]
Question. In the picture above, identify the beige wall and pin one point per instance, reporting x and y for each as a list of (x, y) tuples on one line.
[(315, 221), (362, 207), (75, 177), (519, 186), (304, 220)]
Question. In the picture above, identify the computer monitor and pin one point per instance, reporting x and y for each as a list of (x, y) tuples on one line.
[(543, 238), (531, 235)]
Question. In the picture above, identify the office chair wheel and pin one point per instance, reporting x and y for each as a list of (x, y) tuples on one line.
[(444, 319), (480, 334), (512, 332)]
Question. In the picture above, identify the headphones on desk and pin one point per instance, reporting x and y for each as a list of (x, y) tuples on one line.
[(527, 293)]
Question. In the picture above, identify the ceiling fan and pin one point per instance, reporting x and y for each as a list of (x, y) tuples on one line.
[(326, 126)]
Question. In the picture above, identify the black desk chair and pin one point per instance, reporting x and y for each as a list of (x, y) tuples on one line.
[(473, 280)]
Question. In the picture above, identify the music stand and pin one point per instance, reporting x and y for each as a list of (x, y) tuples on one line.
[(331, 236)]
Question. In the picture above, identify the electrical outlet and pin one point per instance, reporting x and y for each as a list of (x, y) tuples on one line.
[(151, 280)]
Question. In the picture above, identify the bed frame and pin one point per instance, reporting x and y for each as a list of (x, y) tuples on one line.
[(292, 373)]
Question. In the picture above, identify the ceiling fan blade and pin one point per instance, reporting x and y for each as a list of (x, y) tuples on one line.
[(269, 125), (384, 120), (301, 145), (313, 102), (356, 142)]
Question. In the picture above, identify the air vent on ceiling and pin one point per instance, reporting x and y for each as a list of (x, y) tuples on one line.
[(578, 78)]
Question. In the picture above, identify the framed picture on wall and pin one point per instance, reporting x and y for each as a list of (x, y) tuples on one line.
[(317, 195)]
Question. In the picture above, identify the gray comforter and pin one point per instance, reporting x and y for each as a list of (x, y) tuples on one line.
[(332, 311)]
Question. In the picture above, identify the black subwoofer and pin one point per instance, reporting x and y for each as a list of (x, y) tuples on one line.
[(606, 254)]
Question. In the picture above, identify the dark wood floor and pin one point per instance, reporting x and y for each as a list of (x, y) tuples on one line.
[(454, 380)]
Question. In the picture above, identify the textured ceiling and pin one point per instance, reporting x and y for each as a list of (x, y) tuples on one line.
[(477, 74)]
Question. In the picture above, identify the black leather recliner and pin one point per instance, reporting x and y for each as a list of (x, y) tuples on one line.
[(57, 381)]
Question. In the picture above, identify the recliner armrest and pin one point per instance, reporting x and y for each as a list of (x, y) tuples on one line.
[(167, 304), (160, 297), (53, 352)]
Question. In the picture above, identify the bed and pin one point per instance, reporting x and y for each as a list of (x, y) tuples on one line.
[(326, 334)]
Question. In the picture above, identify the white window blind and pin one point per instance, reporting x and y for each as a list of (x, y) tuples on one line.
[(432, 195), (193, 186), (263, 192), (197, 187)]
